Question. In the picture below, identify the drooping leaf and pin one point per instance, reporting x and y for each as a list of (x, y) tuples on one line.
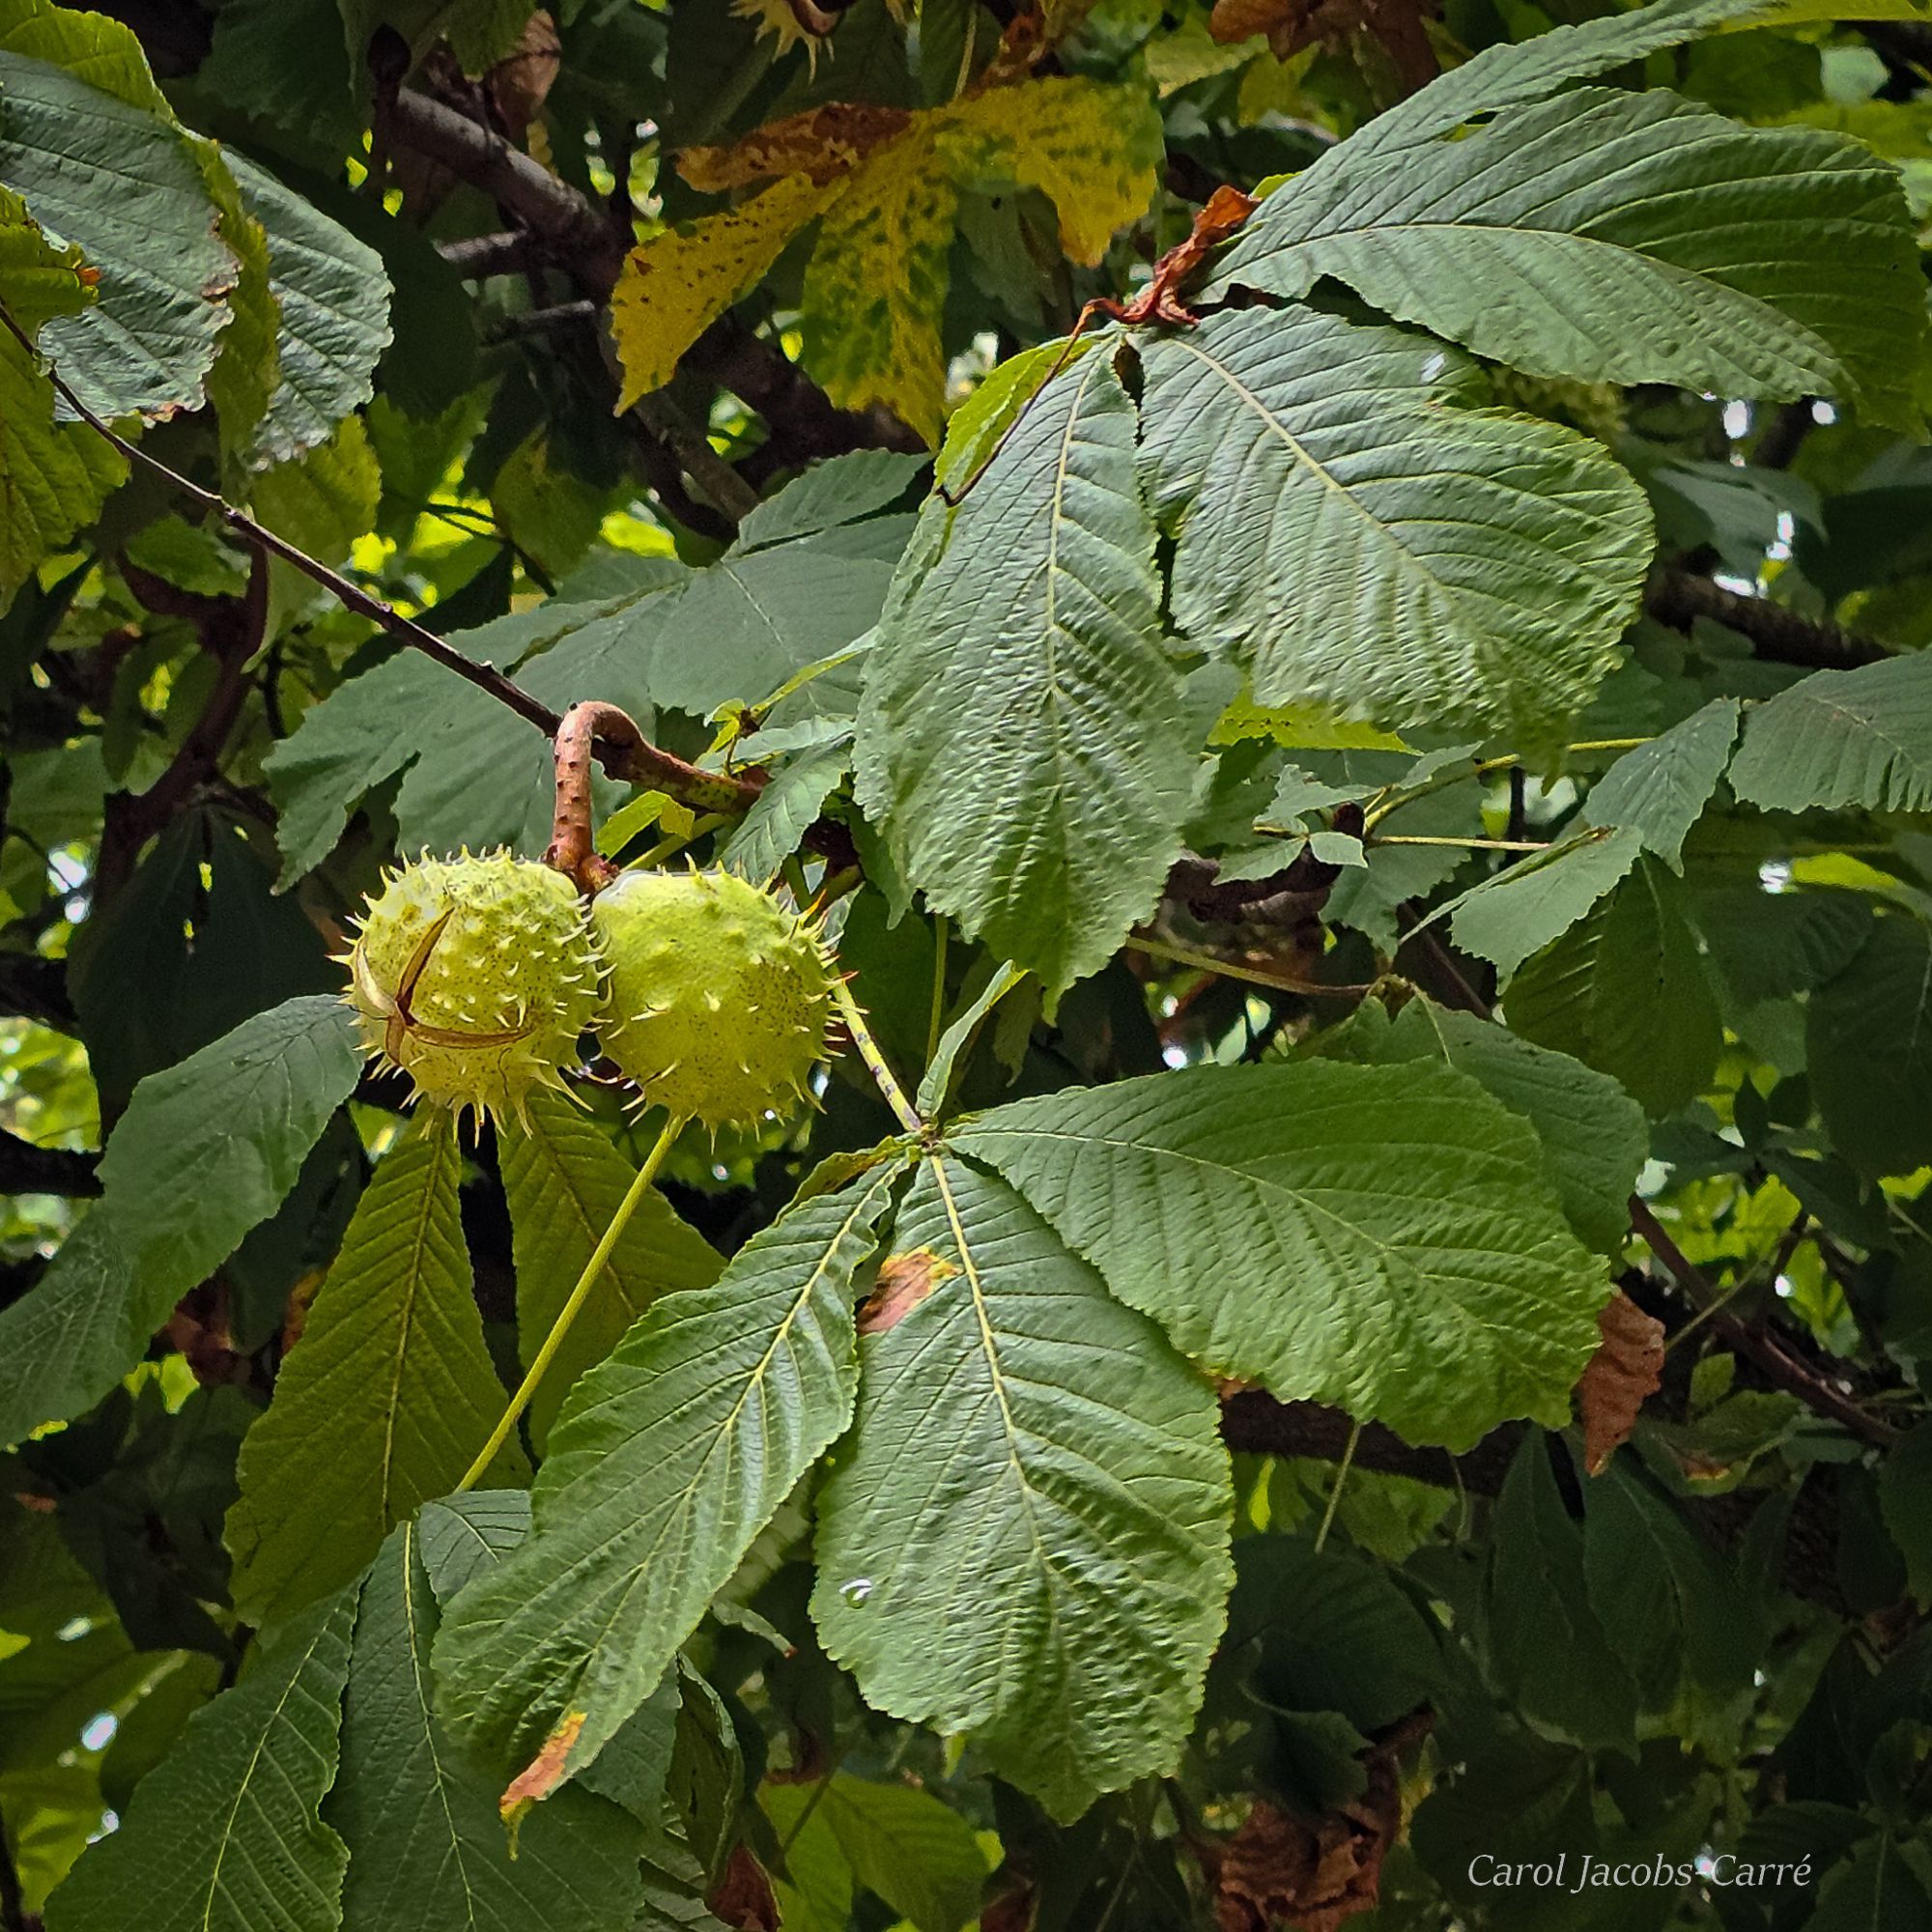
[(1626, 238), (1547, 1642), (227, 1835), (1869, 1048), (1022, 740), (1842, 738), (208, 1147), (1625, 992), (205, 1151), (771, 831), (563, 1180), (334, 299), (1666, 1601), (1905, 1496), (1378, 1237), (664, 1465), (91, 145), (383, 1402), (1023, 1538), (1593, 1133), (1658, 790), (419, 1817), (884, 185), (1521, 910), (1348, 531)]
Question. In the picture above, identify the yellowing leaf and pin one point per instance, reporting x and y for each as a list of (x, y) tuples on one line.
[(886, 182), (1307, 727), (52, 478), (678, 283)]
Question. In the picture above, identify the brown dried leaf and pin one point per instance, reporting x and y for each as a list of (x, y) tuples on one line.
[(743, 1897), (1626, 1368), (904, 1282), (1293, 24), (1279, 1870)]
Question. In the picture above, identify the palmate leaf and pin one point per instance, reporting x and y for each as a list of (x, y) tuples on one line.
[(205, 1150), (1346, 531), (1624, 239), (1025, 1535), (1842, 738), (90, 144), (226, 1834), (563, 1180), (1377, 1238), (665, 1464), (426, 1846), (384, 1399), (1023, 739)]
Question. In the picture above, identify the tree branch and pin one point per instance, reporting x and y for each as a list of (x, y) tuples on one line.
[(1765, 1352), (33, 989), (27, 1169), (573, 228), (1679, 597)]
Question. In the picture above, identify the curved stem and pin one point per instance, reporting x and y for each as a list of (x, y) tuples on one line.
[(873, 1056), (568, 1313), (1335, 1495)]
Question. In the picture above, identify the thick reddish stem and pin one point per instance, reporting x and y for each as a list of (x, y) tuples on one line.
[(572, 849)]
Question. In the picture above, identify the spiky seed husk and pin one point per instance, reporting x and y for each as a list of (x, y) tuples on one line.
[(475, 976), (717, 997)]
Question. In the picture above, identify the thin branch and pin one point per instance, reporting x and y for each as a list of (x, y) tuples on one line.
[(729, 494), (1679, 597), (27, 1169), (1765, 1352)]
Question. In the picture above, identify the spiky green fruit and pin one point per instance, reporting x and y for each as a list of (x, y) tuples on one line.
[(475, 976), (717, 997)]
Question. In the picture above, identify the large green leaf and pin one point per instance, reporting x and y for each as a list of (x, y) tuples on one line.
[(226, 1836), (334, 299), (1842, 738), (1024, 1537), (1869, 1048), (89, 143), (1350, 531), (383, 1402), (1024, 740), (564, 1181), (1593, 1133), (208, 1147), (1378, 1237), (426, 1846), (1626, 238), (1625, 992), (1659, 790), (667, 1461), (204, 1152)]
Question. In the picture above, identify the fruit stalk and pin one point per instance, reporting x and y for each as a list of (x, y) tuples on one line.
[(568, 1313)]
